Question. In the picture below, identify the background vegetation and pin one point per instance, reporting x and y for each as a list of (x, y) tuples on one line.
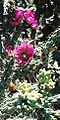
[(31, 91)]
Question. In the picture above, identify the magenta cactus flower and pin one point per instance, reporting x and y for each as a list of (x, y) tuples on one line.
[(8, 50), (30, 17), (24, 53), (17, 17)]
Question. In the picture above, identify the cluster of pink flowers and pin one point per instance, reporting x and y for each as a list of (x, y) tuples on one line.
[(22, 53), (28, 15)]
